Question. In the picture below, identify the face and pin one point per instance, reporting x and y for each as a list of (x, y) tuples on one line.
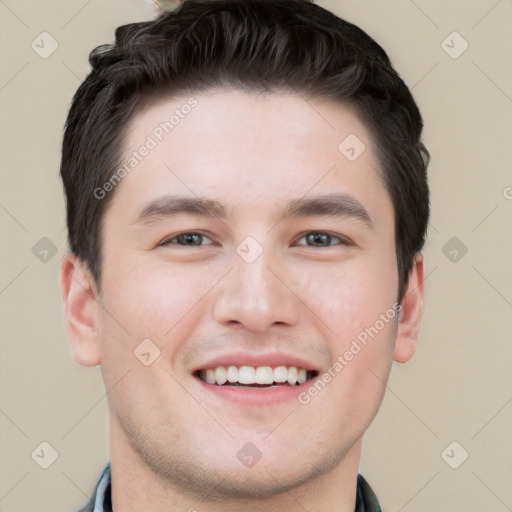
[(247, 245)]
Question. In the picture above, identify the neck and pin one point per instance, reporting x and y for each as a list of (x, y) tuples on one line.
[(136, 486)]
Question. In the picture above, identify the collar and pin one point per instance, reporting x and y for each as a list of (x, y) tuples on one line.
[(103, 492), (366, 501)]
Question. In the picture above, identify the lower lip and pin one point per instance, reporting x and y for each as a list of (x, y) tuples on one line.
[(257, 396)]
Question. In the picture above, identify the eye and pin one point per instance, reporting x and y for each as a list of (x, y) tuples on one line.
[(188, 239), (313, 239), (323, 239)]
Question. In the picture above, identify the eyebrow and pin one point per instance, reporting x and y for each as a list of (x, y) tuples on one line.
[(330, 205)]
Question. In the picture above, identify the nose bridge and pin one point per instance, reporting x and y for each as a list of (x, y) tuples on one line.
[(252, 293)]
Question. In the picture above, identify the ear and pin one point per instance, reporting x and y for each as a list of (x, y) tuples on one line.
[(410, 314), (81, 309)]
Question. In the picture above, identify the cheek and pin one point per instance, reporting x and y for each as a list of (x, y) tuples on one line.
[(350, 301), (351, 296), (354, 301), (156, 301)]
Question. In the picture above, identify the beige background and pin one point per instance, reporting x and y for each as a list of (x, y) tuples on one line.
[(458, 385)]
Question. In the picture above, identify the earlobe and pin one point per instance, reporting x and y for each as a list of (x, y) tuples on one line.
[(80, 309), (410, 314)]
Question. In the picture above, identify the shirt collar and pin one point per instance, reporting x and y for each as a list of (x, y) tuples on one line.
[(103, 500), (366, 501)]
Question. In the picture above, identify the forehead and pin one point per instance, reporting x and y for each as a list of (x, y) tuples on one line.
[(249, 146), (258, 116)]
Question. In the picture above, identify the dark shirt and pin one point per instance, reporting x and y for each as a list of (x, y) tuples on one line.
[(101, 500)]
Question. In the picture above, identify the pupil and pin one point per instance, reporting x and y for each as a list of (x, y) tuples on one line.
[(319, 238), (193, 238)]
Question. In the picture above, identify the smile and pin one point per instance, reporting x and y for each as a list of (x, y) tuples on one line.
[(255, 376)]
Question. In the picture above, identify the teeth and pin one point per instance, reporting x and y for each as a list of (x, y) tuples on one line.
[(264, 375), (220, 375), (249, 375), (292, 375), (210, 376), (280, 374), (246, 375), (232, 374)]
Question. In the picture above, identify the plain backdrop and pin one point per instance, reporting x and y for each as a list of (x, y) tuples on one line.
[(452, 400)]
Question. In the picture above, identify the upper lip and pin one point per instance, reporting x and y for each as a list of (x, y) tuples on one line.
[(272, 359)]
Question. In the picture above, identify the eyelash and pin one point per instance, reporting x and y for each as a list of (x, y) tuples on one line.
[(342, 240)]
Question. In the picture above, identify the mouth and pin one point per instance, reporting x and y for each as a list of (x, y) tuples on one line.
[(255, 376), (248, 379)]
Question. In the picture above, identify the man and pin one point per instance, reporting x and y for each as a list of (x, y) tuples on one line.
[(247, 201)]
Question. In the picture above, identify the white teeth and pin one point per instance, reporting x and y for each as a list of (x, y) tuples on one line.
[(232, 374), (220, 375), (292, 375), (280, 374), (210, 376), (264, 375), (249, 375), (246, 375)]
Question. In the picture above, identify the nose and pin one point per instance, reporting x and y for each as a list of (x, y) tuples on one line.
[(257, 295)]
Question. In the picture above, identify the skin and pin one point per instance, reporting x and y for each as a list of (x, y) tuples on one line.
[(173, 444)]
